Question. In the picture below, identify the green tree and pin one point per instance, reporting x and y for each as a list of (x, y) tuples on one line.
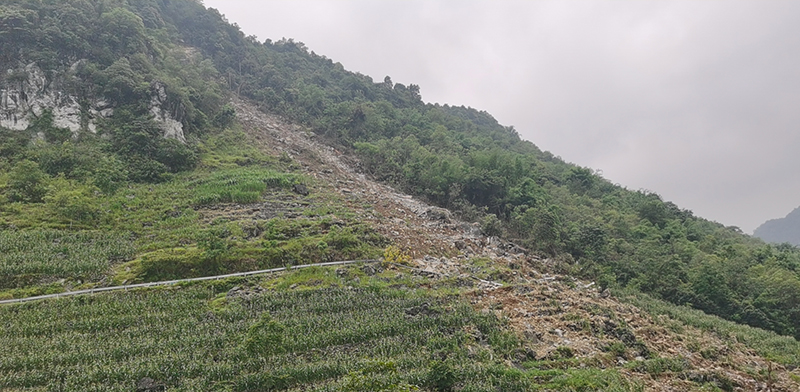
[(43, 124), (71, 202), (27, 182)]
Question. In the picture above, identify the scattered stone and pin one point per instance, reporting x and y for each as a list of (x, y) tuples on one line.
[(293, 286), (300, 189), (369, 270), (424, 309), (436, 214), (533, 336), (147, 384)]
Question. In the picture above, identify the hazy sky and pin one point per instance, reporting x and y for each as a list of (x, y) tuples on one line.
[(698, 101)]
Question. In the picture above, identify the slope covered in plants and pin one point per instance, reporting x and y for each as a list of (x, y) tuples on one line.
[(118, 202), (462, 159)]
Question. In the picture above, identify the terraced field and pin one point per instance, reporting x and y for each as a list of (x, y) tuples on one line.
[(313, 334)]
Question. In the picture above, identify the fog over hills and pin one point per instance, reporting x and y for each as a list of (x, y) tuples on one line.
[(780, 230)]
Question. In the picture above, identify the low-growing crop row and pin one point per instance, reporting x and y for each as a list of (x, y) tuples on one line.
[(274, 341), (198, 337), (239, 186), (38, 256)]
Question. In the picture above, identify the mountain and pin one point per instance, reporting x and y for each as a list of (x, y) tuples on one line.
[(152, 140), (781, 230)]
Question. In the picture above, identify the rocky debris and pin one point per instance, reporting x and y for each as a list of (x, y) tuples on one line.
[(245, 292), (555, 316), (436, 214), (281, 205), (422, 310), (415, 226), (550, 312), (371, 269), (147, 384), (300, 189)]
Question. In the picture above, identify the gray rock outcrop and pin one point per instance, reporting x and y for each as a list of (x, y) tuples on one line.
[(26, 92)]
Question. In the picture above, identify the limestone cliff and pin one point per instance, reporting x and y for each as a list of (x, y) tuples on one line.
[(26, 92)]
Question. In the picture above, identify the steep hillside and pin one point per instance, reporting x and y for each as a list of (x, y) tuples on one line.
[(462, 159), (152, 140), (467, 311), (781, 230)]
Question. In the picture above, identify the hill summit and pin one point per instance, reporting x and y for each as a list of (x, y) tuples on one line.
[(781, 230)]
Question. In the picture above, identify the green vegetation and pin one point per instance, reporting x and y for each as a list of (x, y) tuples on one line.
[(147, 232), (239, 186), (40, 256), (324, 338), (125, 205), (462, 159), (456, 157)]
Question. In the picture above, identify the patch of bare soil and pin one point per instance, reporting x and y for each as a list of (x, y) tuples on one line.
[(553, 314)]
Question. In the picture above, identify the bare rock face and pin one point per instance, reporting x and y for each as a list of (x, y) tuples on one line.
[(173, 129), (25, 93)]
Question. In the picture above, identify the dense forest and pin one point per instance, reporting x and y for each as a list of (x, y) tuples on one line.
[(456, 157)]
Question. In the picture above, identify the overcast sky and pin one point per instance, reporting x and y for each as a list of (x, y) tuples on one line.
[(698, 101)]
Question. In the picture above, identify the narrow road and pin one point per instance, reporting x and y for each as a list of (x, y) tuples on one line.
[(171, 282)]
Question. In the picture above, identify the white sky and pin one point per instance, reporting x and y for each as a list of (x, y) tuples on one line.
[(698, 101)]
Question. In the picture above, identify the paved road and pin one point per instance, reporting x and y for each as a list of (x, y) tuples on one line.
[(171, 282)]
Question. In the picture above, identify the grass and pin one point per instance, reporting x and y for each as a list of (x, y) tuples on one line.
[(222, 249), (159, 234), (239, 185)]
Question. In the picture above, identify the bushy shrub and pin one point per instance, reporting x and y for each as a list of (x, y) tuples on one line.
[(27, 182), (265, 336), (441, 376), (71, 202)]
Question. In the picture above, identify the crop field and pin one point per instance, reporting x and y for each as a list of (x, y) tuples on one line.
[(36, 256), (240, 186), (198, 337)]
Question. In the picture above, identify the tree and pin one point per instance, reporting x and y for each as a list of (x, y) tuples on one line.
[(72, 202), (27, 182), (44, 124)]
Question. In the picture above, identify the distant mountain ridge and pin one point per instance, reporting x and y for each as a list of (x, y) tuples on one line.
[(786, 229)]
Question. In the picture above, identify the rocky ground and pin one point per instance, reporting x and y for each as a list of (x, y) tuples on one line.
[(558, 317)]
